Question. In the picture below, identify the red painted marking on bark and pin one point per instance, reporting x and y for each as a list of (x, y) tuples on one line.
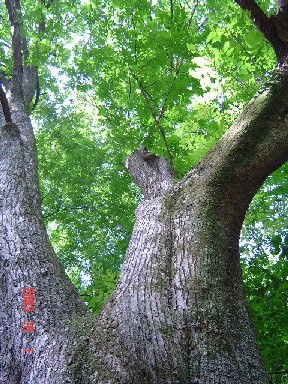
[(28, 305)]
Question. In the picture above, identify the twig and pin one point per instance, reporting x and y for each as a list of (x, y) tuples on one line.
[(245, 50), (171, 10), (278, 373), (130, 88), (157, 117), (193, 13)]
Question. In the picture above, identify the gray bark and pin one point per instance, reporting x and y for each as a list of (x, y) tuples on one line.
[(27, 260), (151, 173), (26, 256), (179, 314)]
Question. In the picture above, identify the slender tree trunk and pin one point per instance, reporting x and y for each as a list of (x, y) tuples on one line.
[(27, 261)]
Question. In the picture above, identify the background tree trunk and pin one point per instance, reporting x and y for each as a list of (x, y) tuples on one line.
[(27, 259)]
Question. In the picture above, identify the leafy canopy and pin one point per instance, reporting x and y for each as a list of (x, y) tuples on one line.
[(170, 75)]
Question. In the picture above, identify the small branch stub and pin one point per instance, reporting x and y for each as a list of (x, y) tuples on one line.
[(151, 173)]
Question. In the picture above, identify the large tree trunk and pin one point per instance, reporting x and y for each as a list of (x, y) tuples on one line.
[(179, 314)]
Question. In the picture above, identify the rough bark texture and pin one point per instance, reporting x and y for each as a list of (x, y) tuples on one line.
[(151, 173), (27, 259), (179, 314)]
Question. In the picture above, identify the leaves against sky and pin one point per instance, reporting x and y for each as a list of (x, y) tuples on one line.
[(117, 74)]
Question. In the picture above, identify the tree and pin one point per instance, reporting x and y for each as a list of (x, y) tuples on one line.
[(178, 314)]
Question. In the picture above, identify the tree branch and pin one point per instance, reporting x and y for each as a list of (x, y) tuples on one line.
[(25, 81), (5, 105), (47, 5), (11, 11), (268, 26), (171, 10), (14, 9), (5, 81), (193, 13), (261, 20), (160, 109), (157, 118), (63, 209), (254, 147), (282, 6), (278, 373)]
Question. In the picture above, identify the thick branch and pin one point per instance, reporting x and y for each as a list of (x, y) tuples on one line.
[(269, 27), (25, 80), (261, 20), (282, 6), (151, 173), (11, 11), (30, 84), (254, 147)]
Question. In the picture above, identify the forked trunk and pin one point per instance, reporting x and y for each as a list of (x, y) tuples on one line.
[(179, 314)]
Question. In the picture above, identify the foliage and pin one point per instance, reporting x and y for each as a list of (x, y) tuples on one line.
[(265, 271), (171, 75), (85, 196), (163, 68), (266, 287)]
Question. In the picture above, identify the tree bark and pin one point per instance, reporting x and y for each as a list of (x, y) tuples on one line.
[(179, 314), (27, 259)]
